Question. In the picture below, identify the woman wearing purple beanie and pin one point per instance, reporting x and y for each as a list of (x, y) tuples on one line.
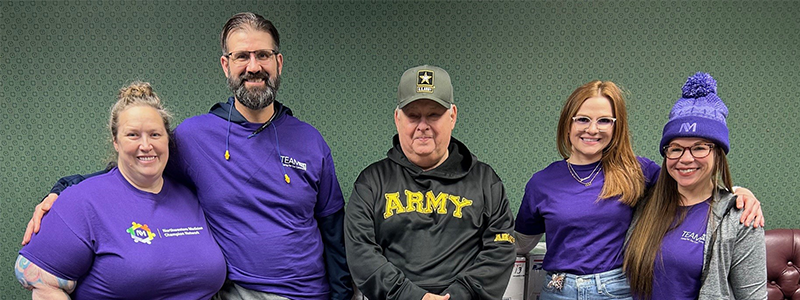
[(686, 241)]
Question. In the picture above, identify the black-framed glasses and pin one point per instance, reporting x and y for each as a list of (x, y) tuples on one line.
[(602, 123), (243, 57), (697, 151)]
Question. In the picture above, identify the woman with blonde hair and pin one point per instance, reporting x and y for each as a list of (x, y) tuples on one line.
[(130, 233)]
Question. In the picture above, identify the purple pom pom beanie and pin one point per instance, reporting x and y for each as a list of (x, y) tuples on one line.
[(698, 113)]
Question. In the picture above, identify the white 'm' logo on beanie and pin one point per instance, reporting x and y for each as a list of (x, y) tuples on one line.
[(685, 127)]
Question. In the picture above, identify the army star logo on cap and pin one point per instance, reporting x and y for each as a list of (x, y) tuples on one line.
[(425, 81)]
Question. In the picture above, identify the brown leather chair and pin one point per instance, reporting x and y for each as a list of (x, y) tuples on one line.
[(783, 263)]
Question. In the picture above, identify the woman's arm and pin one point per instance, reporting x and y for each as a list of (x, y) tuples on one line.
[(748, 273), (43, 284), (752, 214)]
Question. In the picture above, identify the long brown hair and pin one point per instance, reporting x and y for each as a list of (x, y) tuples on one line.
[(623, 173), (657, 216)]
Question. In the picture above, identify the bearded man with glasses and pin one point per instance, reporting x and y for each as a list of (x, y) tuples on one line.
[(265, 180)]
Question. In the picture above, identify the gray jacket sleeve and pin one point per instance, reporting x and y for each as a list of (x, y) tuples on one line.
[(748, 269), (735, 265)]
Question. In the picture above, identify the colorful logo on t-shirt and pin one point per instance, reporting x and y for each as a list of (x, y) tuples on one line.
[(140, 233)]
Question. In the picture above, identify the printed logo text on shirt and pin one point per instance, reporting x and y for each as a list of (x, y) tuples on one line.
[(292, 163), (693, 237)]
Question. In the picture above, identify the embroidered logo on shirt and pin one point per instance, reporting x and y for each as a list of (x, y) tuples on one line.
[(424, 203), (693, 237), (504, 237), (140, 233), (292, 163)]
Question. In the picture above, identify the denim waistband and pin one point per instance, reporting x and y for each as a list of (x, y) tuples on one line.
[(609, 273), (596, 279), (611, 281)]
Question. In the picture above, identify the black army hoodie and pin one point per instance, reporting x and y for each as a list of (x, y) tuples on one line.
[(445, 230)]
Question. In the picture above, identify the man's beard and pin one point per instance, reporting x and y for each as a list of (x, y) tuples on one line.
[(255, 98)]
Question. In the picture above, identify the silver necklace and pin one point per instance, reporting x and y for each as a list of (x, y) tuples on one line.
[(591, 176)]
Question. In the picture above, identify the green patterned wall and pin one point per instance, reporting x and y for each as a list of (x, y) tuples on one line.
[(512, 63)]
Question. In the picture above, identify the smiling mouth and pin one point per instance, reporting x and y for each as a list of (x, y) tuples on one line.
[(589, 140), (255, 77), (146, 158)]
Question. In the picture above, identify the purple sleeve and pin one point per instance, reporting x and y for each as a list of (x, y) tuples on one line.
[(529, 221), (650, 169), (58, 249), (329, 197)]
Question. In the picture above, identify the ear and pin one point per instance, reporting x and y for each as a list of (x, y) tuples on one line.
[(223, 61), (116, 145), (279, 60), (397, 113), (453, 116)]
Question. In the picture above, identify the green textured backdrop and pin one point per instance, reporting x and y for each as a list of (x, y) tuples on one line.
[(512, 63)]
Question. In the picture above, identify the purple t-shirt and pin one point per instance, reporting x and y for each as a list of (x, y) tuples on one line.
[(266, 227), (584, 234), (679, 265), (120, 242)]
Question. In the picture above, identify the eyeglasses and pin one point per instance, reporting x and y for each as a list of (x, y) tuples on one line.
[(602, 123), (243, 57), (697, 151)]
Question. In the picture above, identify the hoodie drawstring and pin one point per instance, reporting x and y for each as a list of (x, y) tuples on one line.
[(274, 129), (278, 147), (228, 134)]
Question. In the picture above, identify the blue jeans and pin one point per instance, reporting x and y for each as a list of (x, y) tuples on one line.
[(607, 285)]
